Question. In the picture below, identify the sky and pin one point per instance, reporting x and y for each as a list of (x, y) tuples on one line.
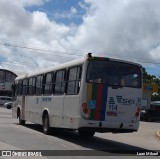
[(36, 34)]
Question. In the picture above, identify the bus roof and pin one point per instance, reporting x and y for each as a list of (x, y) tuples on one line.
[(70, 64), (53, 68)]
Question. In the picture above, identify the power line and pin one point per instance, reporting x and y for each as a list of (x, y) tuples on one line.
[(37, 49), (27, 64), (59, 53), (141, 60)]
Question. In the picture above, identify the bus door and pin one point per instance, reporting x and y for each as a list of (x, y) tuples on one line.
[(33, 108), (35, 102), (37, 109), (71, 99), (23, 107)]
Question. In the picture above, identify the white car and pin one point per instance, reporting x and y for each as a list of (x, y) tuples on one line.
[(5, 99), (8, 105)]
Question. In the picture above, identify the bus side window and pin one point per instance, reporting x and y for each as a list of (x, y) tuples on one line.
[(73, 80), (39, 84), (19, 88), (24, 87), (48, 83), (31, 86), (59, 82)]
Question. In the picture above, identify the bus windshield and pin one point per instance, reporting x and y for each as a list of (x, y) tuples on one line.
[(114, 73)]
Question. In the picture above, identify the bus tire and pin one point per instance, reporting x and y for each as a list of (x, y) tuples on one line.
[(86, 134), (21, 121), (46, 128), (9, 106), (149, 119)]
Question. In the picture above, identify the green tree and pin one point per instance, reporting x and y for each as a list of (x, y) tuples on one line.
[(152, 79)]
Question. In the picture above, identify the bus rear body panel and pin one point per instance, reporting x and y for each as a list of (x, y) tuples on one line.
[(113, 96), (111, 108)]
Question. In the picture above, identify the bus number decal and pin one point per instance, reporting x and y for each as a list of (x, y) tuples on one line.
[(112, 104), (112, 107)]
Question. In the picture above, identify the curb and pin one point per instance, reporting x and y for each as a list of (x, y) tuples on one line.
[(158, 133)]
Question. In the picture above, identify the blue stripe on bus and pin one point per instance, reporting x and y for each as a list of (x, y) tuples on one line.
[(104, 102)]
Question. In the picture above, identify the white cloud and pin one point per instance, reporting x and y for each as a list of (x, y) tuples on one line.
[(155, 53), (72, 13), (73, 10), (29, 30), (122, 29), (29, 2)]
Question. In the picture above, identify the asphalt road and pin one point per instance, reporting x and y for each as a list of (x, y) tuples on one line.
[(30, 137)]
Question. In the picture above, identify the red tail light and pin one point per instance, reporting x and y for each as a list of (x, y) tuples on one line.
[(138, 111), (136, 114), (85, 109)]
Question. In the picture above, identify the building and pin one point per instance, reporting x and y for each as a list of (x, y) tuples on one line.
[(6, 81)]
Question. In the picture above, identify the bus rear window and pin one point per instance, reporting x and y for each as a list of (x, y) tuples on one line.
[(114, 73)]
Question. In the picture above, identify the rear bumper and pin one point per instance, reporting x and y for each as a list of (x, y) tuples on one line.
[(104, 126), (104, 130)]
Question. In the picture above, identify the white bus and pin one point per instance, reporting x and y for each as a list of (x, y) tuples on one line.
[(92, 94)]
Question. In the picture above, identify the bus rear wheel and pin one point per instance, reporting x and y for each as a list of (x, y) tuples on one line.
[(21, 121), (9, 106), (149, 119), (46, 128), (86, 134)]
